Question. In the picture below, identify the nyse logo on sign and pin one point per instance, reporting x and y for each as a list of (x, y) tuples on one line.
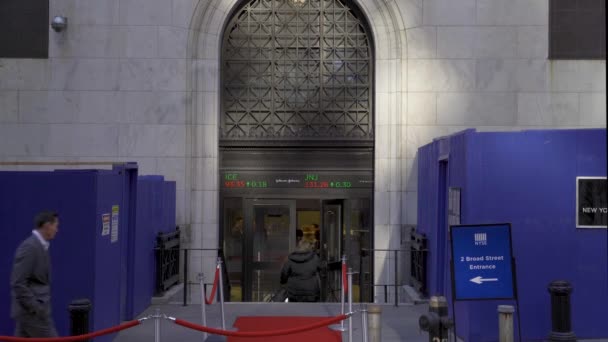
[(481, 239)]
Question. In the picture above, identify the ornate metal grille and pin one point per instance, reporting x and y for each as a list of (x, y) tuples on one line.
[(296, 70)]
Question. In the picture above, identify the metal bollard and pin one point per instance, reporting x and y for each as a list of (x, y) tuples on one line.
[(157, 325), (350, 305), (221, 286), (437, 322), (560, 311), (201, 280), (364, 322), (374, 313), (79, 316), (505, 323)]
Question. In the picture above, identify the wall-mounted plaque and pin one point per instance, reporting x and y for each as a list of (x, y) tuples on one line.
[(591, 203)]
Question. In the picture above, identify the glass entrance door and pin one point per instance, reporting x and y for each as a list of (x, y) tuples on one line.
[(332, 248), (259, 234), (270, 237)]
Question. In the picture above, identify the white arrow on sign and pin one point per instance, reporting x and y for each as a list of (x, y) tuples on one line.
[(479, 280)]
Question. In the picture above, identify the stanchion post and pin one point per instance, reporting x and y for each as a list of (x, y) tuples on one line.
[(350, 304), (221, 285), (201, 280), (374, 323), (364, 322), (505, 323), (79, 317), (157, 325)]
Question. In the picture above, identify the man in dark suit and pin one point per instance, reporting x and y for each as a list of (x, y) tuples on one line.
[(31, 280)]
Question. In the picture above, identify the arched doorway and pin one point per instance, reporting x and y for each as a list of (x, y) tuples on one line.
[(296, 142)]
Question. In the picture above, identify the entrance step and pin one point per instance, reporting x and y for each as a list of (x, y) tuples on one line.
[(412, 296), (168, 296), (407, 296), (398, 324)]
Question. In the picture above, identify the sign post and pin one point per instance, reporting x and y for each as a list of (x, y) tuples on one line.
[(483, 267)]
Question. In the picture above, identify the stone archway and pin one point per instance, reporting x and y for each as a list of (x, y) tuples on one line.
[(203, 85)]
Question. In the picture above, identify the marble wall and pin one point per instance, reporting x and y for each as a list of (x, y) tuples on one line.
[(113, 89), (138, 80)]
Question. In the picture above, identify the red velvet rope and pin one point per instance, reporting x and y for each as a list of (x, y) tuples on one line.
[(344, 279), (88, 336), (282, 332), (214, 289)]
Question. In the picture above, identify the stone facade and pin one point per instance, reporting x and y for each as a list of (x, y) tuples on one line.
[(138, 80)]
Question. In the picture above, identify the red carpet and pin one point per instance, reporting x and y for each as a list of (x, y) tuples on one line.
[(267, 323)]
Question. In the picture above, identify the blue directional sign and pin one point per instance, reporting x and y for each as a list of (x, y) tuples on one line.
[(482, 263)]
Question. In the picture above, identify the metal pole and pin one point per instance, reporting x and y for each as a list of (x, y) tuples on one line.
[(350, 304), (396, 279), (201, 280), (185, 277), (505, 323), (221, 285), (342, 292), (157, 325), (364, 322), (375, 325), (258, 274), (385, 293), (259, 279)]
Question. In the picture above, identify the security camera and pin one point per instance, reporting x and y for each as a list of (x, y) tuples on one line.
[(59, 23)]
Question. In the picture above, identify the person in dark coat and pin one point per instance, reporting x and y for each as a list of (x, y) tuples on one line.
[(301, 274)]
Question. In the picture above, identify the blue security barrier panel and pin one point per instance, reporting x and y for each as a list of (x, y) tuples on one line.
[(528, 179), (101, 251), (86, 253), (482, 262), (155, 214)]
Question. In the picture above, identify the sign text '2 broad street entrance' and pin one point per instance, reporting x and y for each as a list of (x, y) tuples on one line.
[(482, 262)]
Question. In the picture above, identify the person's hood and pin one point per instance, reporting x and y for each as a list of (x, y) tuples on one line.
[(301, 256)]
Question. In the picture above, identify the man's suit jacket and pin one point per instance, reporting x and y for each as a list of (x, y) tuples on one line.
[(30, 280)]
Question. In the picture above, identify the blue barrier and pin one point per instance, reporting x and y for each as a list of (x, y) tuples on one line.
[(104, 248), (155, 214), (85, 263), (527, 179)]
